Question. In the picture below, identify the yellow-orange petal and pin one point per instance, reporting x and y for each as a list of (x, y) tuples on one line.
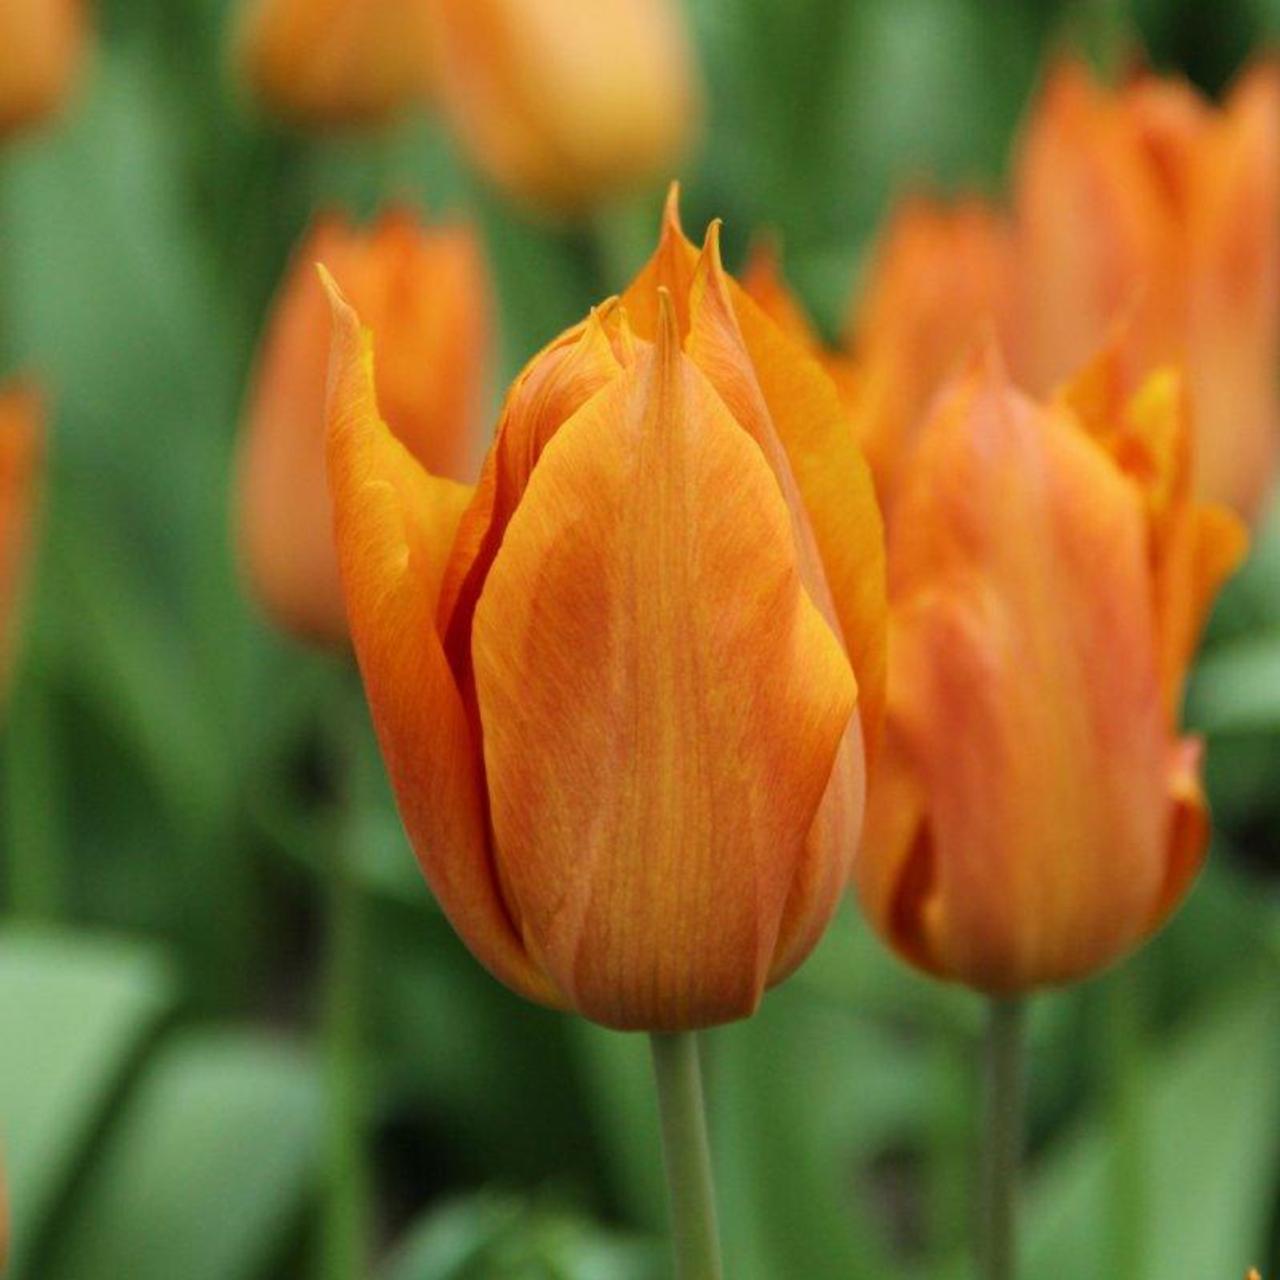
[(1024, 699), (562, 103), (661, 714), (336, 62), (394, 525), (1233, 306), (1188, 839), (716, 346), (21, 441), (832, 476), (41, 49), (553, 386), (424, 291), (1097, 234)]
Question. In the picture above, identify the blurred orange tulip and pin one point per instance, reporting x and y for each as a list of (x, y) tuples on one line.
[(1035, 813), (21, 432), (564, 104), (940, 277), (1151, 203), (614, 683), (336, 62), (41, 48), (428, 292)]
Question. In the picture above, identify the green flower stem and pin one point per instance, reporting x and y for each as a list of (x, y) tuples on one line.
[(687, 1156), (1002, 1139), (1127, 1200), (345, 1230)]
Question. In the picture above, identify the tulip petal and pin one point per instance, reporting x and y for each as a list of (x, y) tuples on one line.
[(662, 703), (1188, 827), (394, 524), (835, 483), (553, 386), (1025, 697)]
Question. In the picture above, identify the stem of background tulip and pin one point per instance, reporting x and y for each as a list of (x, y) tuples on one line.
[(1002, 1139), (344, 1228), (687, 1156), (1122, 1029)]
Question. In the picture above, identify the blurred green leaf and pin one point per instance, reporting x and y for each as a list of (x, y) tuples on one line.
[(489, 1236), (204, 1170), (1211, 1118), (1237, 687), (74, 1011)]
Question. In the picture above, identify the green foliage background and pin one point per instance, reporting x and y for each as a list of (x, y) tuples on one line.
[(172, 770)]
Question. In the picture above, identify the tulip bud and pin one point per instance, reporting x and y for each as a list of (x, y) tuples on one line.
[(1151, 203), (1035, 814), (614, 683), (21, 429), (564, 104), (940, 277), (336, 62), (41, 47), (428, 293)]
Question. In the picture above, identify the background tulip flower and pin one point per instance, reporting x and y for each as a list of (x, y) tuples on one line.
[(427, 290), (1152, 204), (564, 104), (614, 683), (939, 278), (21, 432), (1035, 813), (41, 48), (336, 62)]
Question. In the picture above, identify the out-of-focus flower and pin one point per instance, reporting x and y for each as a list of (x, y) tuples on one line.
[(614, 684), (564, 104), (336, 62), (940, 278), (1149, 202), (1035, 813), (428, 293), (21, 436), (762, 278), (41, 48)]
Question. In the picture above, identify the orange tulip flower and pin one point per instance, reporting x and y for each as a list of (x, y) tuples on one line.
[(940, 277), (336, 62), (1149, 202), (1035, 812), (614, 684), (41, 48), (21, 432), (427, 290), (561, 103)]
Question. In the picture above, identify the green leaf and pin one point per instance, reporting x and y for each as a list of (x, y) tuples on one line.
[(485, 1236), (1237, 687), (1211, 1116), (205, 1169), (73, 1012)]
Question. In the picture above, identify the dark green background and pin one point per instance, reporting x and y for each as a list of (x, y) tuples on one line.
[(172, 771)]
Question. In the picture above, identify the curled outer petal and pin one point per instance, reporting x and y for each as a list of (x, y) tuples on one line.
[(662, 713), (394, 525), (41, 49), (1027, 829), (563, 103), (21, 441), (336, 62), (425, 292)]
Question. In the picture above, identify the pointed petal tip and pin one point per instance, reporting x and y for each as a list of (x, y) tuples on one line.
[(671, 207)]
